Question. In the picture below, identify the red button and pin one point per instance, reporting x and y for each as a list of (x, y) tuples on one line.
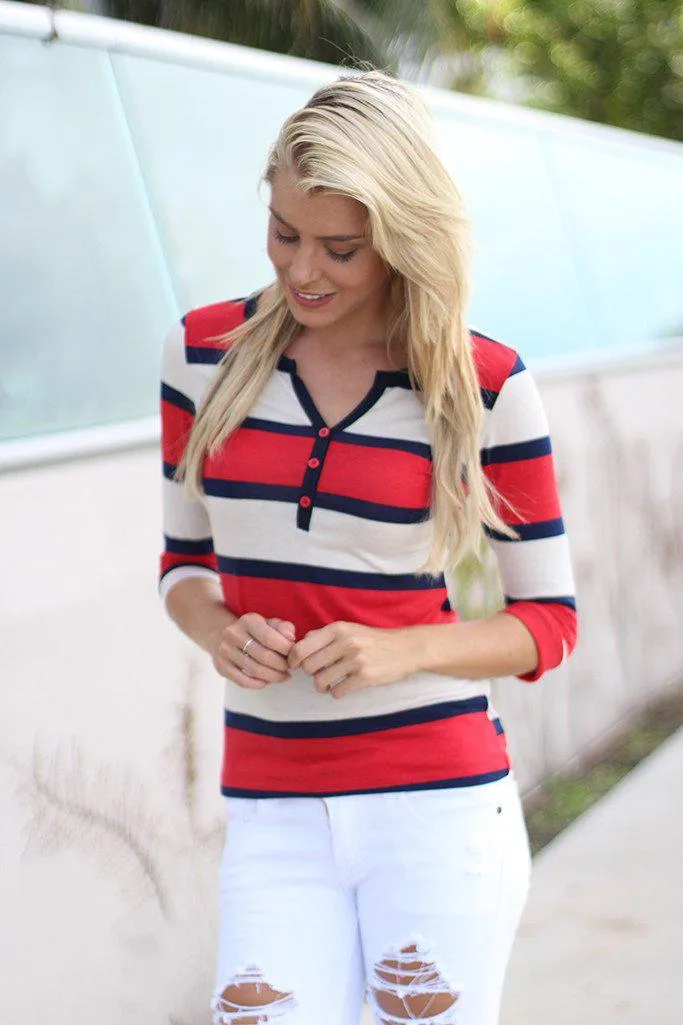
[(304, 502), (323, 432), (314, 463)]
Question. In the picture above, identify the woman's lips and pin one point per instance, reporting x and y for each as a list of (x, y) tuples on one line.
[(304, 298)]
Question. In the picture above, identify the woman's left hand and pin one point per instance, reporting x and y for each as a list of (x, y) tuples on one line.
[(344, 657)]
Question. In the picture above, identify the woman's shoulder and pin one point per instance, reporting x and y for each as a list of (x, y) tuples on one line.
[(495, 362), (205, 328)]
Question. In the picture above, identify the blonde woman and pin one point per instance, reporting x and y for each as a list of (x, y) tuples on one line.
[(349, 440)]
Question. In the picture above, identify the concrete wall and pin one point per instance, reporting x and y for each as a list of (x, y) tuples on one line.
[(110, 727)]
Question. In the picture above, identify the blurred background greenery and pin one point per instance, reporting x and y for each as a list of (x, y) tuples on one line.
[(619, 62)]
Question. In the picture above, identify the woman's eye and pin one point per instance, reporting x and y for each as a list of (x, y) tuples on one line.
[(342, 257), (285, 238)]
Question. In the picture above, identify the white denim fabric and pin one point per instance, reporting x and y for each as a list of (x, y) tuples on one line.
[(320, 896)]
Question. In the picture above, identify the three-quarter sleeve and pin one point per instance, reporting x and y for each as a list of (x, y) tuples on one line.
[(188, 545), (535, 570)]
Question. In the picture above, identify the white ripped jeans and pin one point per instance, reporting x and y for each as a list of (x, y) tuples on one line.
[(408, 899)]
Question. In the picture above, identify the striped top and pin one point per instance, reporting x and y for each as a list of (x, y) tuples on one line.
[(316, 523)]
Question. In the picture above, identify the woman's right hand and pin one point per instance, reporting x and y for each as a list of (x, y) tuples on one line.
[(266, 658)]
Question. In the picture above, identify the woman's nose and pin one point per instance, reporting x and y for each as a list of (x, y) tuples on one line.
[(304, 269)]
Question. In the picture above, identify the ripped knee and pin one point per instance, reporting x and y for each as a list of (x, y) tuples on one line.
[(249, 1000), (409, 987)]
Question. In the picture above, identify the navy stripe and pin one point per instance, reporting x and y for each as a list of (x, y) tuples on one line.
[(305, 401), (498, 726), (475, 332), (415, 448), (530, 531), (488, 397), (182, 546), (251, 305), (169, 471), (394, 379), (369, 510), (516, 452), (388, 378), (176, 398), (355, 727), (201, 354), (215, 488), (302, 573), (274, 427), (518, 367), (566, 599), (439, 784)]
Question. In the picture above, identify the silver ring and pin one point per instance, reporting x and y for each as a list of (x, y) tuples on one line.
[(249, 640)]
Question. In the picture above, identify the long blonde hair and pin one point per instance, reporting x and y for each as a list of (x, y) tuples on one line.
[(370, 138)]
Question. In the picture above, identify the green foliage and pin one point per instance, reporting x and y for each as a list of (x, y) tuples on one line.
[(619, 62), (615, 61)]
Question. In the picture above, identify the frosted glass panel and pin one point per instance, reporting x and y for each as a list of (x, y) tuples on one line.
[(526, 290), (129, 193), (83, 287), (202, 139), (624, 213)]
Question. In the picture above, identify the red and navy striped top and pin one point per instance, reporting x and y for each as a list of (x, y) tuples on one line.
[(316, 523)]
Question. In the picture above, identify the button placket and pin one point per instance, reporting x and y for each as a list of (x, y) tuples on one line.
[(314, 467)]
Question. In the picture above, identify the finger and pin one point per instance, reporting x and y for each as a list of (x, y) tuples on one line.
[(333, 674), (231, 654), (308, 645), (264, 657), (250, 667), (283, 626), (229, 671), (317, 663), (352, 682), (257, 627)]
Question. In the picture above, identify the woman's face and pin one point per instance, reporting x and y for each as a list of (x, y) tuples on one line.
[(330, 274)]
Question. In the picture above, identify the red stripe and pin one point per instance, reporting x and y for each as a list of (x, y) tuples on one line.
[(312, 606), (176, 425), (493, 361), (382, 475), (530, 487), (353, 471), (261, 457), (550, 624), (203, 324), (461, 746), (169, 560)]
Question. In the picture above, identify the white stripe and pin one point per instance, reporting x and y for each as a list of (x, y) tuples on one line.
[(184, 516), (518, 414), (535, 569), (257, 529), (174, 576), (298, 701)]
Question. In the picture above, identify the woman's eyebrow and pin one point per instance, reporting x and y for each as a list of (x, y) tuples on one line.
[(321, 238)]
